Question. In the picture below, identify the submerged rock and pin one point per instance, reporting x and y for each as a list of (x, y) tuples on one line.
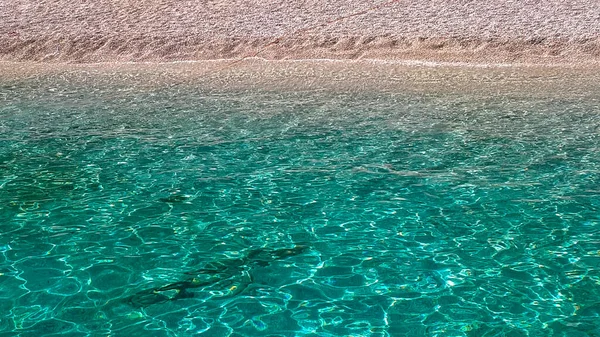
[(175, 198), (223, 274)]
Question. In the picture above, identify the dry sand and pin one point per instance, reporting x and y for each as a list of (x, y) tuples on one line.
[(500, 31)]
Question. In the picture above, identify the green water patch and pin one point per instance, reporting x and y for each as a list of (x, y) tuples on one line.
[(176, 212)]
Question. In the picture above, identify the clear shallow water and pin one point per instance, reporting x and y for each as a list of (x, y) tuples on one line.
[(177, 212)]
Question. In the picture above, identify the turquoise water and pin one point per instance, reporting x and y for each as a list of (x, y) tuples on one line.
[(178, 212)]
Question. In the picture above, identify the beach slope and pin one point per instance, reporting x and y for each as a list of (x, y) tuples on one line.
[(501, 31)]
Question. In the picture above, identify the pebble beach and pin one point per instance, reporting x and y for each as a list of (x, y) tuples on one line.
[(503, 31)]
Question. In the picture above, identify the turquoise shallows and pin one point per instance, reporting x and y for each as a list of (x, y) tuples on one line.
[(178, 212)]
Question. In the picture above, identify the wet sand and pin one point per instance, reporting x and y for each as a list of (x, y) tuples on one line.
[(472, 31), (347, 76)]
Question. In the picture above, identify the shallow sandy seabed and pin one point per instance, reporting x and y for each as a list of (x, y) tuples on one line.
[(316, 75)]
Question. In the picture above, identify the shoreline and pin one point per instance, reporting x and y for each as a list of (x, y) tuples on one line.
[(417, 62), (101, 49), (343, 76)]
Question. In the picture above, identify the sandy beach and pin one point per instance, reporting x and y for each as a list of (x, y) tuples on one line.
[(503, 31)]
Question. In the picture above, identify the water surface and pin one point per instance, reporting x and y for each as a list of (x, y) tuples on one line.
[(164, 213)]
